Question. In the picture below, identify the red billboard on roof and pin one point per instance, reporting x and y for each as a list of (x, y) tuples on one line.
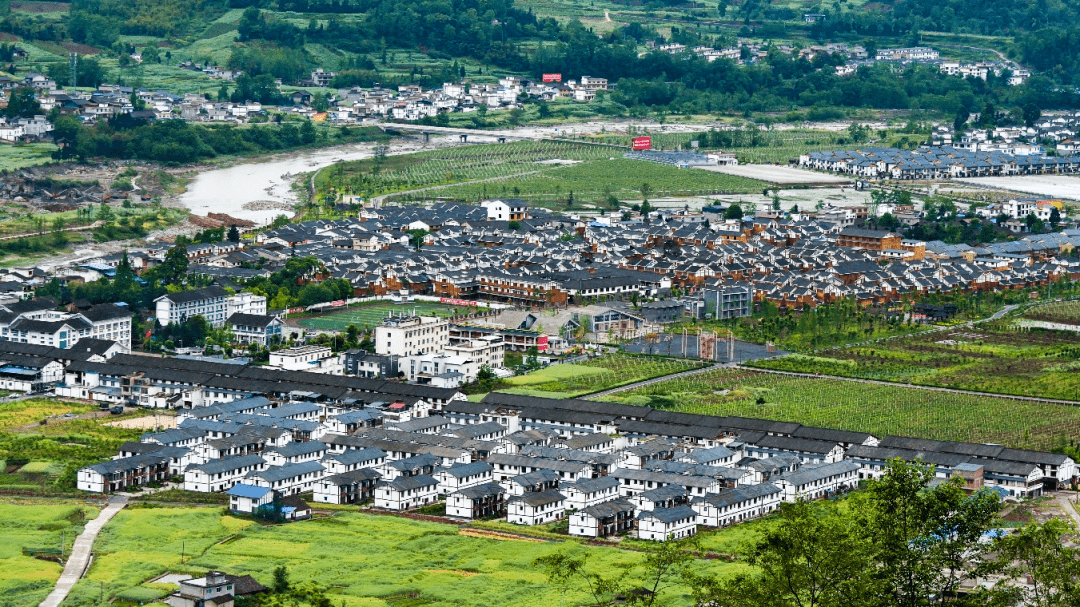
[(552, 77), (642, 143)]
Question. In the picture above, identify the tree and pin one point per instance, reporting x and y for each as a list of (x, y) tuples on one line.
[(776, 200), (514, 225), (1038, 554), (665, 564), (1055, 217), (234, 234), (564, 568), (22, 104), (813, 556), (924, 540), (280, 584), (645, 189), (733, 212), (1031, 113)]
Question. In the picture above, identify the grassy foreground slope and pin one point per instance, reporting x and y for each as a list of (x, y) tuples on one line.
[(364, 559)]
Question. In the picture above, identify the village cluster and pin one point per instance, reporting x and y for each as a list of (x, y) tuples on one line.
[(747, 51), (408, 102), (265, 436), (334, 425), (601, 279)]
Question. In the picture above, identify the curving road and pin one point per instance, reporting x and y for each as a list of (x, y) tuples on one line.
[(79, 559)]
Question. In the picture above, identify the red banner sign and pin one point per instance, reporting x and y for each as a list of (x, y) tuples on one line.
[(552, 77), (642, 143), (337, 304), (458, 302)]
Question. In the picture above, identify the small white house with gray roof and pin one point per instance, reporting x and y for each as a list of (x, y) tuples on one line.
[(462, 476), (289, 479), (664, 524)]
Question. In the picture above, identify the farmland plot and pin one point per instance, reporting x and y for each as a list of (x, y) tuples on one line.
[(874, 408)]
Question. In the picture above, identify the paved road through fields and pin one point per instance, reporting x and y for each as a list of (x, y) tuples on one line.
[(80, 553)]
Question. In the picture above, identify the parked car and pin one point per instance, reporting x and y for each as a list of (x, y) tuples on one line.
[(103, 406), (117, 410)]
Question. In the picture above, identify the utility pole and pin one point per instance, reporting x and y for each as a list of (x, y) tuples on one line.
[(62, 542), (73, 69)]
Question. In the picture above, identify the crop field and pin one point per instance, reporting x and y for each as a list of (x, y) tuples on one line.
[(874, 408), (1064, 312), (56, 450), (365, 560), (996, 358), (371, 315), (25, 155), (601, 373), (621, 177), (33, 410), (25, 580), (451, 165)]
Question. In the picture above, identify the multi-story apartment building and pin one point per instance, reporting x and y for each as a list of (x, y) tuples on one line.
[(412, 335), (208, 302)]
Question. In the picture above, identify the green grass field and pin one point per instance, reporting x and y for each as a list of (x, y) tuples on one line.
[(593, 181), (602, 373), (877, 409), (25, 155), (25, 580), (369, 316), (365, 560)]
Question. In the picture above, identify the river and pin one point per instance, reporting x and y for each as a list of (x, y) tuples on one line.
[(262, 189)]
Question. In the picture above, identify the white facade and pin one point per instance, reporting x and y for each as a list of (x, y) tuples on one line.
[(412, 335), (209, 302), (314, 359), (818, 481), (245, 303), (666, 524), (408, 492), (536, 508), (729, 507)]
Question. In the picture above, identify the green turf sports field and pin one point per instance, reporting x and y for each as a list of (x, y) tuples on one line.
[(368, 316)]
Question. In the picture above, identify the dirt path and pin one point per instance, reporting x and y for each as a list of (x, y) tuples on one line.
[(96, 224), (80, 553)]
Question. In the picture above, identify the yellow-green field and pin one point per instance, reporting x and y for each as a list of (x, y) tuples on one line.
[(363, 559), (33, 410), (595, 375), (25, 580)]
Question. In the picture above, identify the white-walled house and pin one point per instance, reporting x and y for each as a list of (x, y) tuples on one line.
[(462, 476), (119, 474), (589, 492), (603, 520), (246, 499), (536, 508), (663, 524), (347, 487), (480, 501), (812, 482), (221, 474), (407, 492), (289, 479), (735, 505), (353, 459)]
